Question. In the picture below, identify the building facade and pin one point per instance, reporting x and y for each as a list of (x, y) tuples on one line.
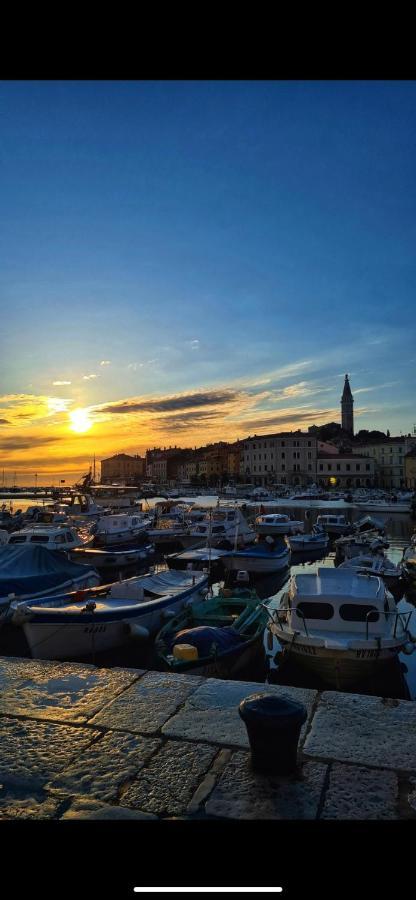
[(389, 456), (286, 458), (410, 469), (122, 468), (345, 470)]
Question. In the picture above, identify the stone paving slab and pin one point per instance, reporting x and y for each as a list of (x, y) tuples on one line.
[(33, 752), (211, 712), (148, 703), (92, 809), (63, 691), (100, 771), (166, 785), (365, 730), (357, 793), (244, 794), (29, 807)]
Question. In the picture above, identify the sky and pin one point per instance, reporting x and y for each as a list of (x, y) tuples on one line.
[(185, 262)]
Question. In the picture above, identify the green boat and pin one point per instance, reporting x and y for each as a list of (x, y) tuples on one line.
[(219, 636)]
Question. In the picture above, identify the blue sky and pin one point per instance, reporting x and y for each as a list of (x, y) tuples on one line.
[(197, 236)]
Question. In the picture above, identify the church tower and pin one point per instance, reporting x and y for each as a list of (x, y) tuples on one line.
[(347, 412)]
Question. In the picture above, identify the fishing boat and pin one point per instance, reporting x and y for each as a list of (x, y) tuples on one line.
[(219, 636), (222, 527), (34, 571), (342, 625), (113, 559), (199, 559), (303, 543), (265, 556), (120, 529), (53, 537), (335, 524), (84, 623), (350, 546), (277, 523)]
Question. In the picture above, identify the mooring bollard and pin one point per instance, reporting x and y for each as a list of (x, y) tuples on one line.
[(273, 726)]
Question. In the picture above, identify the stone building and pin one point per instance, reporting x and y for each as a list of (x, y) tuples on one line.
[(285, 458), (389, 455), (345, 470), (410, 469), (122, 468)]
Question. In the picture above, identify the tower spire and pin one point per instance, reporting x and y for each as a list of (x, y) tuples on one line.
[(347, 411)]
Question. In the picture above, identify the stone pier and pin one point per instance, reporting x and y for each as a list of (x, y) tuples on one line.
[(80, 742)]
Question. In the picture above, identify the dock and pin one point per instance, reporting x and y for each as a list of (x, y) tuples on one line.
[(81, 742)]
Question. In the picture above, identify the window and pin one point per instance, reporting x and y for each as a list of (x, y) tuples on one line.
[(329, 467), (367, 467), (309, 455), (17, 539), (321, 467), (60, 539), (348, 467), (338, 467), (309, 443), (352, 612), (283, 455), (39, 538), (315, 610), (283, 444), (357, 467), (283, 467), (309, 467)]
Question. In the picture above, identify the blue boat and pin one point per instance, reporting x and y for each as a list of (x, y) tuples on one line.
[(272, 554)]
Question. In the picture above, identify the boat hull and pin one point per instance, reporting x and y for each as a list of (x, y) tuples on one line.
[(259, 565)]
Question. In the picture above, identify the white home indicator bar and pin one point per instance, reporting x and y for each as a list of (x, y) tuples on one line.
[(208, 890)]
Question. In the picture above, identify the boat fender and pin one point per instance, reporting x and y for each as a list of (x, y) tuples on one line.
[(409, 648), (139, 632)]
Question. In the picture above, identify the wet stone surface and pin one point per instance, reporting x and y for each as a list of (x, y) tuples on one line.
[(64, 691), (211, 713), (168, 783), (31, 753), (368, 730), (34, 806), (92, 809), (242, 793), (148, 703), (101, 770), (357, 793)]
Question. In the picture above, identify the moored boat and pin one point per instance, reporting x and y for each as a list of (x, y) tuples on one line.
[(84, 623), (120, 529), (272, 554), (113, 559), (219, 636), (342, 625), (303, 543), (278, 523)]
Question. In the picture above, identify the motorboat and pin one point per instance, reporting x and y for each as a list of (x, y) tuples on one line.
[(342, 625), (272, 554), (223, 527), (376, 564), (216, 637), (80, 506), (349, 546), (278, 523), (199, 559), (409, 562), (120, 529), (116, 496), (84, 623), (113, 559), (54, 537), (318, 539), (333, 524), (32, 571), (369, 523)]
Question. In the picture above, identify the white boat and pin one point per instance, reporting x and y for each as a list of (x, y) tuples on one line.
[(113, 559), (262, 557), (54, 537), (278, 523), (120, 529), (353, 545), (334, 524), (341, 625), (167, 532), (86, 623), (223, 526), (302, 543), (116, 496), (385, 506), (80, 506), (409, 562)]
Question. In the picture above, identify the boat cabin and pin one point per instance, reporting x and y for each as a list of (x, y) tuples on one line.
[(54, 538)]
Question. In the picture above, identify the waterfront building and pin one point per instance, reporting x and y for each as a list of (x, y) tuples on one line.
[(389, 454), (347, 409), (345, 470), (122, 469), (410, 469), (285, 458)]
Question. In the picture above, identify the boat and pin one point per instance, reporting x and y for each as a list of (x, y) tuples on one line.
[(333, 524), (80, 506), (113, 559), (272, 554), (318, 539), (222, 527), (198, 559), (120, 529), (168, 532), (57, 537), (219, 636), (342, 625), (390, 506), (277, 523), (409, 562), (349, 546), (116, 496), (370, 523), (32, 571), (84, 623), (377, 564)]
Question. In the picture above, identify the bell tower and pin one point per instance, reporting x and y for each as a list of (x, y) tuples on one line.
[(347, 411)]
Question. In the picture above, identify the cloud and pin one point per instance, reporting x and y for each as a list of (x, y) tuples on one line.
[(88, 377), (176, 402), (105, 362), (4, 422), (194, 345), (61, 382), (187, 420), (26, 443)]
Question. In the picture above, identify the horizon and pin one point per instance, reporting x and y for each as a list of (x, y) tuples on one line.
[(188, 262)]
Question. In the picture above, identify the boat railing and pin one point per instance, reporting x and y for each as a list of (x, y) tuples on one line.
[(402, 616)]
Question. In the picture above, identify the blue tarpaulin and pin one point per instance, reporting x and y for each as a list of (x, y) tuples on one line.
[(31, 570), (204, 636)]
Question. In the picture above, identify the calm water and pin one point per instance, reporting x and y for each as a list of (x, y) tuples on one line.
[(399, 682)]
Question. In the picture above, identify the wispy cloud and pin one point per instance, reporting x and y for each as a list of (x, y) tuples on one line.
[(26, 442), (105, 362), (89, 377), (166, 404), (56, 383)]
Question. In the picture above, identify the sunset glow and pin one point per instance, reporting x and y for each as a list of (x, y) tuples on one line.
[(80, 421)]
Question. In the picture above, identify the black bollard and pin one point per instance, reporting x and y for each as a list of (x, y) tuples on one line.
[(273, 726)]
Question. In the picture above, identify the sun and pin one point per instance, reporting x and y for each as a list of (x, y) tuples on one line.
[(80, 420)]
